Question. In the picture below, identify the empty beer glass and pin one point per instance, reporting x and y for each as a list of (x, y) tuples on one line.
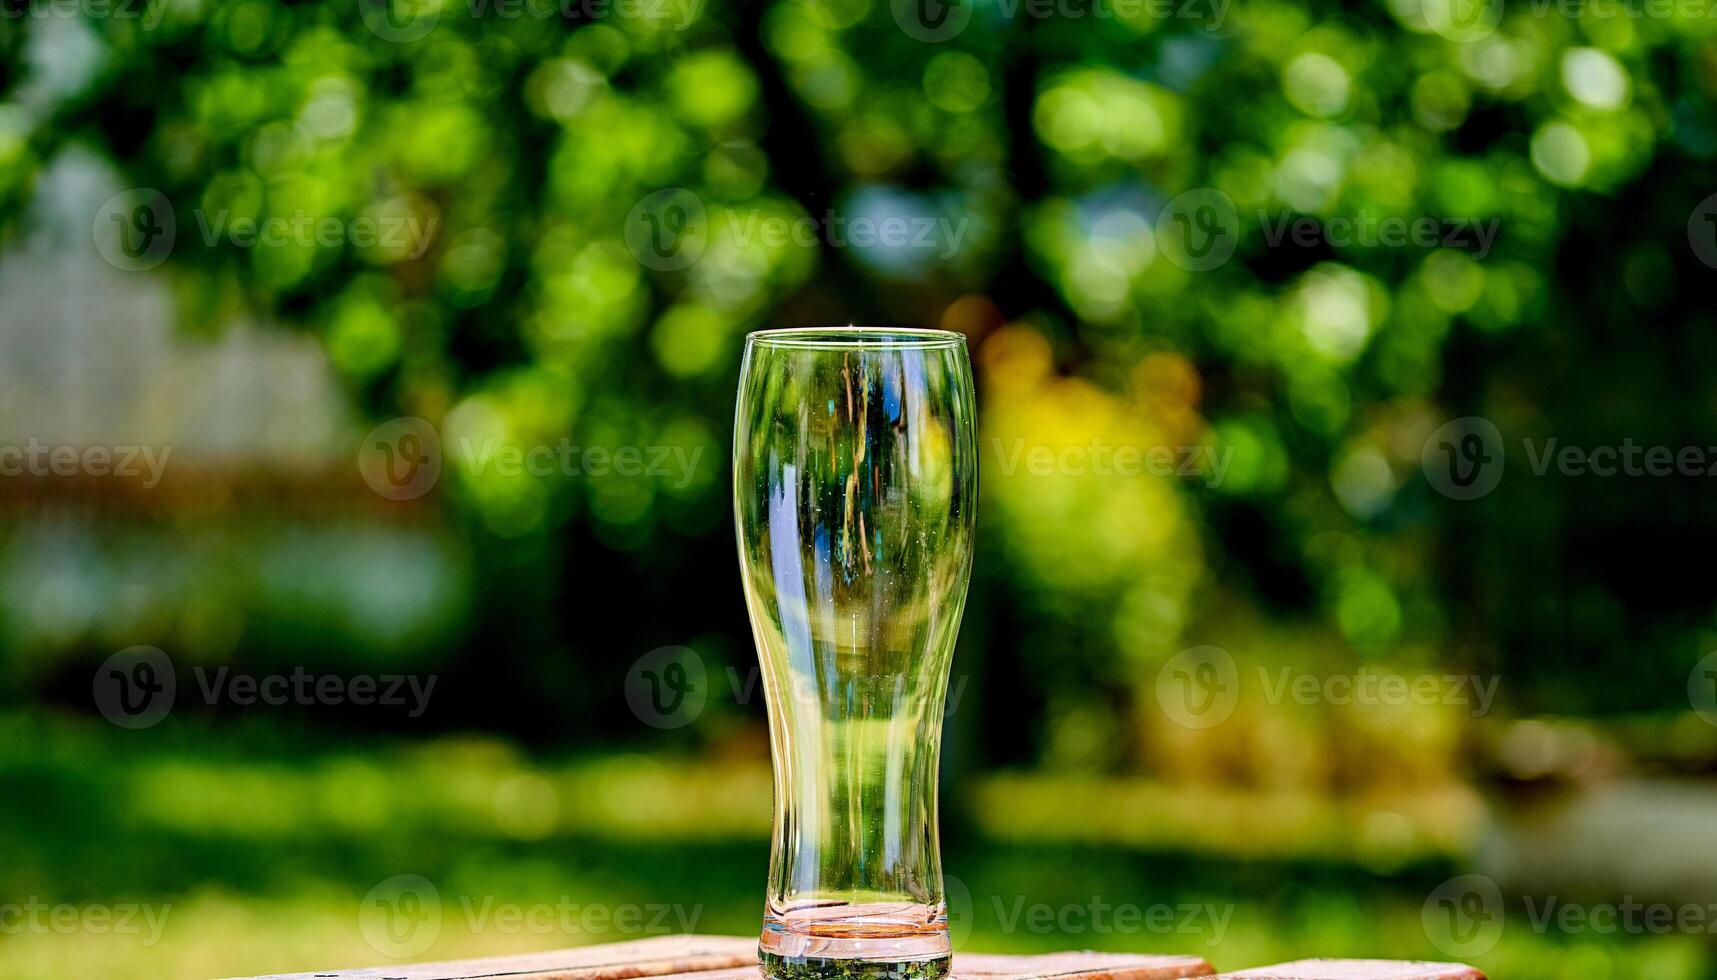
[(855, 469)]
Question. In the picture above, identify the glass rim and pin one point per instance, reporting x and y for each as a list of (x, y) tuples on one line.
[(857, 338)]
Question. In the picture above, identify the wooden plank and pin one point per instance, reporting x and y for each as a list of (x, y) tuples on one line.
[(735, 957), (1357, 970), (653, 957)]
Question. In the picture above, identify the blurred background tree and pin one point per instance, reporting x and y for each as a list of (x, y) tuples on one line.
[(575, 203)]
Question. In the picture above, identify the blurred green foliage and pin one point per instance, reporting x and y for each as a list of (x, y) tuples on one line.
[(512, 145)]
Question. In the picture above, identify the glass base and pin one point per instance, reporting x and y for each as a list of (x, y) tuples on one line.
[(776, 967), (842, 941)]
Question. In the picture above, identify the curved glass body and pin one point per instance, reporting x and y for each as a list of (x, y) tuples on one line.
[(855, 481)]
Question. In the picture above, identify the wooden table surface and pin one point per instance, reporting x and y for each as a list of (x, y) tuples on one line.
[(735, 958)]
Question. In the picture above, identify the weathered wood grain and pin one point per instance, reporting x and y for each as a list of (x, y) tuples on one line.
[(1357, 970)]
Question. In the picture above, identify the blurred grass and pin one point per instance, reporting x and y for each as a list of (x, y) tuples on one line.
[(263, 848)]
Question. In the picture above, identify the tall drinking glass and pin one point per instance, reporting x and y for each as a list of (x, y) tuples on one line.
[(855, 477)]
